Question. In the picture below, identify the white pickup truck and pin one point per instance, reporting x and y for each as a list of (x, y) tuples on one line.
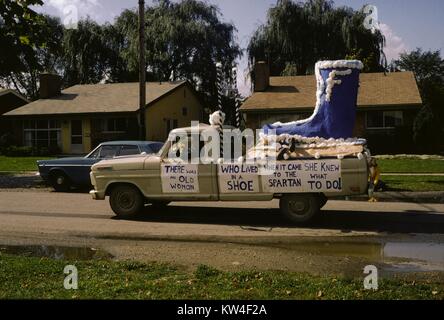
[(303, 185)]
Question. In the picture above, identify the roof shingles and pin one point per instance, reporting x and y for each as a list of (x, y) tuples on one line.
[(97, 98)]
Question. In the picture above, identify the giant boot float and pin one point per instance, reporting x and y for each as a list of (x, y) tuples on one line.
[(336, 97), (328, 132)]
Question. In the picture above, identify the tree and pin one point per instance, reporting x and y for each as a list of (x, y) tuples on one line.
[(297, 35), (185, 40), (30, 44), (88, 52), (428, 68), (44, 58), (20, 29)]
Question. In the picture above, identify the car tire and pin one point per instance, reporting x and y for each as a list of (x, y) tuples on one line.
[(126, 201), (322, 200), (300, 208), (60, 182)]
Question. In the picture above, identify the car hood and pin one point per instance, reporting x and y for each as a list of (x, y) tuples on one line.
[(125, 163), (61, 161)]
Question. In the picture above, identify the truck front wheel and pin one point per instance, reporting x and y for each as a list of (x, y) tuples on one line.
[(300, 208), (126, 201)]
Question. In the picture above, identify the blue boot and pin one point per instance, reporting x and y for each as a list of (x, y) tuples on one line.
[(335, 112)]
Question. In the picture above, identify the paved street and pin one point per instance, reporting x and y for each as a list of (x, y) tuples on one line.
[(227, 235)]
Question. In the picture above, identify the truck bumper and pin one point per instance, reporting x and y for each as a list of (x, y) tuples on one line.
[(97, 195)]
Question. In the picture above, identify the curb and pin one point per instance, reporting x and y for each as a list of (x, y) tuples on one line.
[(411, 197)]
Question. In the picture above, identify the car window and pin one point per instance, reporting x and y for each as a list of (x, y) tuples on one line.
[(129, 150), (108, 152), (147, 149), (95, 154), (155, 147), (183, 149)]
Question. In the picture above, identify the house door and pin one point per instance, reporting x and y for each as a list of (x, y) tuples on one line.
[(76, 137)]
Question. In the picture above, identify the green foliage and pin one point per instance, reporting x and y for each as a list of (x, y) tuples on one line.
[(411, 166), (45, 57), (23, 151), (89, 54), (19, 164), (185, 40), (20, 29), (414, 183), (428, 68), (41, 278), (204, 272), (298, 34), (31, 43)]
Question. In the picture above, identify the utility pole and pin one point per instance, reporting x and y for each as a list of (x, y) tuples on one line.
[(142, 71)]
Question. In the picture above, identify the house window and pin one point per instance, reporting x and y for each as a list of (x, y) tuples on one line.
[(42, 133), (384, 119), (115, 125)]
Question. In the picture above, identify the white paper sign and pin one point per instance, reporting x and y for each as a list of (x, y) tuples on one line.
[(180, 178), (238, 178), (303, 176)]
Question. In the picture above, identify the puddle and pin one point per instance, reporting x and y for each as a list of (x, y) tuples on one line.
[(57, 252), (396, 256)]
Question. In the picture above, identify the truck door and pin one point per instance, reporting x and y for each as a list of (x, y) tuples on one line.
[(185, 177)]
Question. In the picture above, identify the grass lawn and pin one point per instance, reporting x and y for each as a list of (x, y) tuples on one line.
[(411, 166), (27, 277), (414, 183), (19, 164)]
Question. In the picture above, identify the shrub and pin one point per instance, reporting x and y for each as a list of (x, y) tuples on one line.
[(15, 151)]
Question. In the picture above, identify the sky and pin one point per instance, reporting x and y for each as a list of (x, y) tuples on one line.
[(406, 24)]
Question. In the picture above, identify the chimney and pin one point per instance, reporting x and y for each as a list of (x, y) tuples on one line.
[(50, 85), (261, 76)]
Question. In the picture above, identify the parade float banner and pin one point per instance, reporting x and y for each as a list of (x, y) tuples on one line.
[(180, 178), (281, 177), (303, 176), (238, 178)]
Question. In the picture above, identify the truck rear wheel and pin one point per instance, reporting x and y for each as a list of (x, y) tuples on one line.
[(126, 201), (300, 208)]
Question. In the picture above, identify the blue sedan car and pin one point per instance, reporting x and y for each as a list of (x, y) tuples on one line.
[(65, 173)]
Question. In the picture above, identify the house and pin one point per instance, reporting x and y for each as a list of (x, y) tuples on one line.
[(386, 109), (78, 118), (9, 100)]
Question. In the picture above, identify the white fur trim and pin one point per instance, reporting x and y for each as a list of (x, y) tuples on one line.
[(217, 118), (331, 81)]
